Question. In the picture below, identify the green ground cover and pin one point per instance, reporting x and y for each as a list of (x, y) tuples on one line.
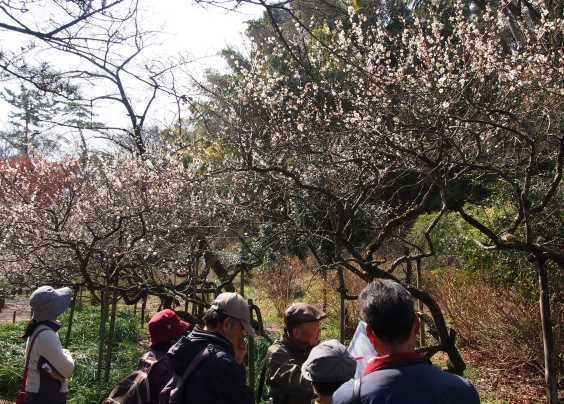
[(84, 344)]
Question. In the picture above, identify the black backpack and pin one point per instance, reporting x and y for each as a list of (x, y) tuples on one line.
[(173, 392)]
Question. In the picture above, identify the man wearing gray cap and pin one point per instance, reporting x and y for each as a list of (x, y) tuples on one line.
[(327, 367), (285, 357), (48, 365), (219, 377)]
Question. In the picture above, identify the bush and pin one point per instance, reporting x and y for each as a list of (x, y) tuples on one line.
[(500, 323), (455, 245), (84, 345)]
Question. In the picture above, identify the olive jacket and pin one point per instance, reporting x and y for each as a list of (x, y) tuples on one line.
[(284, 374)]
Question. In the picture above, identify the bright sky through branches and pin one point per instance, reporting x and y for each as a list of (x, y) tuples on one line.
[(181, 29)]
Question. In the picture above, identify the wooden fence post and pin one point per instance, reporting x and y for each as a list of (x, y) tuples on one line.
[(14, 317)]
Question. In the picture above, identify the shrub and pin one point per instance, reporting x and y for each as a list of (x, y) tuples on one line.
[(500, 323)]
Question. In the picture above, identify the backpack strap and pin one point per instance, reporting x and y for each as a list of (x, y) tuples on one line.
[(356, 391), (28, 355), (203, 354)]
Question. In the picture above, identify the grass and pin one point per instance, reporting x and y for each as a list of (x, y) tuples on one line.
[(83, 346)]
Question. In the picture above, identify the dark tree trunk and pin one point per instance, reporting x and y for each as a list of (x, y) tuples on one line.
[(71, 318), (342, 312), (418, 280), (216, 266), (143, 308), (111, 334), (102, 333), (550, 370)]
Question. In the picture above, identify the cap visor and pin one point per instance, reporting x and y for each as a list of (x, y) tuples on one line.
[(64, 297), (249, 329), (183, 326)]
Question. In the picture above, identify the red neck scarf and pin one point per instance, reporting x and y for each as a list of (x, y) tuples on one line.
[(392, 361)]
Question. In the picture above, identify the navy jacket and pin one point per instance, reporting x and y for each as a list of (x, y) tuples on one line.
[(413, 383), (218, 379)]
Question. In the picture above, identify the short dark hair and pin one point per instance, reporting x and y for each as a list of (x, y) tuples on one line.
[(327, 389), (387, 307), (212, 318)]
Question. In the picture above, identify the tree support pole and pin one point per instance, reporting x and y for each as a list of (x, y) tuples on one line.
[(71, 318)]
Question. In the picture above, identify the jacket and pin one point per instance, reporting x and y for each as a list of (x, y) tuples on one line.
[(47, 348), (218, 379), (159, 373), (284, 374), (413, 382)]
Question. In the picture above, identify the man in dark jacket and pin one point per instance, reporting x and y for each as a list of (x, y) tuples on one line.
[(220, 377), (399, 375), (285, 357)]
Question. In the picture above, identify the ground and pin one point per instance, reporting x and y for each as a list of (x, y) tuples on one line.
[(20, 305)]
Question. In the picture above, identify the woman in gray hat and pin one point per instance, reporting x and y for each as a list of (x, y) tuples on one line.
[(48, 365)]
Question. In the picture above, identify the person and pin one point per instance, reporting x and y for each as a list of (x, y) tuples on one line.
[(165, 328), (285, 357), (398, 374), (220, 378), (48, 365), (327, 367)]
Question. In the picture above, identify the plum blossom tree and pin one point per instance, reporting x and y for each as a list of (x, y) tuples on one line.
[(444, 114), (121, 227)]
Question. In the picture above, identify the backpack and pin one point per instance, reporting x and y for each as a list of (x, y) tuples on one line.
[(173, 392), (134, 388)]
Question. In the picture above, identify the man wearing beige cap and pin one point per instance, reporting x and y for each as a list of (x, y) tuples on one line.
[(285, 357), (213, 355)]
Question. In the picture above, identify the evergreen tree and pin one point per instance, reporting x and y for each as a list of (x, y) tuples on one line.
[(38, 120)]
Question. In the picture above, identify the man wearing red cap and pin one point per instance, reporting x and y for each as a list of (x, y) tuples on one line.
[(165, 328)]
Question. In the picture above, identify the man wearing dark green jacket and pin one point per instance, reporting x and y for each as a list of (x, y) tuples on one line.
[(285, 357)]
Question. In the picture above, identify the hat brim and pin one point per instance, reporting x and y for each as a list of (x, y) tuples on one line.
[(183, 326), (64, 298), (248, 329)]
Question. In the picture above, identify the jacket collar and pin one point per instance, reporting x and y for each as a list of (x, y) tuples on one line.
[(296, 348), (210, 337), (393, 361)]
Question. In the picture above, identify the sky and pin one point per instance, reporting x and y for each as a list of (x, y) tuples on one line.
[(183, 28), (200, 31)]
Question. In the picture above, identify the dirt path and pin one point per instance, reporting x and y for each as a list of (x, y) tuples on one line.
[(20, 305)]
